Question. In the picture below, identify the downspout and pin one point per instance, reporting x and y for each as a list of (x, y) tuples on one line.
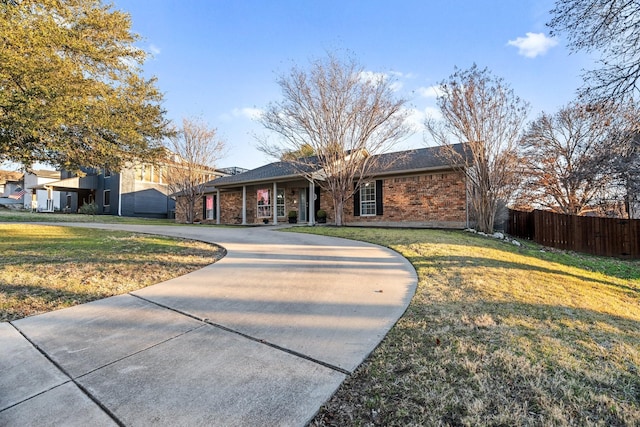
[(120, 194)]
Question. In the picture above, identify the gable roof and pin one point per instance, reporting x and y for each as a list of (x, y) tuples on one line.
[(417, 160), (270, 172)]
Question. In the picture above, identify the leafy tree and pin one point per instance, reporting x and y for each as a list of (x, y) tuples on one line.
[(304, 151), (482, 112), (72, 93), (342, 114), (611, 27), (196, 148)]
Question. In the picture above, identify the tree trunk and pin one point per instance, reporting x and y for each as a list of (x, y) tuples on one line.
[(338, 205)]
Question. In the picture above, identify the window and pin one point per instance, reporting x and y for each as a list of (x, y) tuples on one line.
[(209, 208), (264, 203), (280, 202), (368, 199), (106, 197), (148, 173)]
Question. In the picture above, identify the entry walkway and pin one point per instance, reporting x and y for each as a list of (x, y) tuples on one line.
[(262, 337)]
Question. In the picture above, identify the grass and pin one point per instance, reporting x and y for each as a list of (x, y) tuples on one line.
[(45, 268), (7, 215), (499, 335)]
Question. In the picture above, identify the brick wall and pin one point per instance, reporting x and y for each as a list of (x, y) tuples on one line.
[(431, 200), (181, 216), (231, 208)]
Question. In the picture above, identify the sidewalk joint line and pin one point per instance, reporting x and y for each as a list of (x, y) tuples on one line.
[(61, 369), (249, 337), (140, 351)]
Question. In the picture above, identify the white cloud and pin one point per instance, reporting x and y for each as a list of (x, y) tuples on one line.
[(533, 44), (373, 77), (249, 113), (430, 92), (154, 49), (417, 117)]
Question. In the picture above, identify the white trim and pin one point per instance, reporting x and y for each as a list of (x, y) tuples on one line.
[(369, 184), (274, 206), (218, 206), (244, 205), (312, 203), (120, 193)]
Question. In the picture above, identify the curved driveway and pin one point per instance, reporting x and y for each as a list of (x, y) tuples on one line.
[(262, 337)]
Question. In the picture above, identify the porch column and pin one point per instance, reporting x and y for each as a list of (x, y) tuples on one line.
[(274, 201), (312, 203), (218, 206), (244, 205)]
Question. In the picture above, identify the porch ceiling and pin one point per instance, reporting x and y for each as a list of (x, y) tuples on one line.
[(71, 184)]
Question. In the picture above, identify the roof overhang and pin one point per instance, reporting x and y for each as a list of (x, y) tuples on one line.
[(71, 184), (287, 178)]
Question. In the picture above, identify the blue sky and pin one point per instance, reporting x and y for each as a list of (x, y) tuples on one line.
[(219, 60)]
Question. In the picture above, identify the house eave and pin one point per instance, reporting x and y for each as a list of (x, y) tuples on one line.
[(286, 178), (416, 170)]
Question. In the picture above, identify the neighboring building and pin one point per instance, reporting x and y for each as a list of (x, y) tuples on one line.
[(139, 190), (39, 196), (11, 188), (10, 182), (417, 189)]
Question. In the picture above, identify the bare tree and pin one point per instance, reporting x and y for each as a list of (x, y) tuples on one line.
[(482, 112), (342, 114), (611, 27), (196, 148), (624, 157), (567, 156)]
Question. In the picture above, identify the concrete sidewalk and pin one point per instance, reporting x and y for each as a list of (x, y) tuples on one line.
[(262, 337)]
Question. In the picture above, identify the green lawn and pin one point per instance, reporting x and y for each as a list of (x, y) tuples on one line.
[(45, 268), (8, 215), (499, 335)]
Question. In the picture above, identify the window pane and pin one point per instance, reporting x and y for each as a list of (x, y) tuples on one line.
[(264, 203), (209, 207), (280, 202), (368, 199)]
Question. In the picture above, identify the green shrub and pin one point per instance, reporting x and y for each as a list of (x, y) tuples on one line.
[(88, 209)]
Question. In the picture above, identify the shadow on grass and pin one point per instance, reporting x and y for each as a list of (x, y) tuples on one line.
[(528, 364), (463, 262), (30, 300)]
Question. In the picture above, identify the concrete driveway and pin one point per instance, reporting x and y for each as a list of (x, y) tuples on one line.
[(262, 337)]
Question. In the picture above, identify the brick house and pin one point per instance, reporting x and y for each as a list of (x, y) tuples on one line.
[(414, 188)]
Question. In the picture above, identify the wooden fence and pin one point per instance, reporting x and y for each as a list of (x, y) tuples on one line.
[(598, 236)]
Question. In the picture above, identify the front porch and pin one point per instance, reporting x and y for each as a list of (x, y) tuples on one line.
[(264, 203)]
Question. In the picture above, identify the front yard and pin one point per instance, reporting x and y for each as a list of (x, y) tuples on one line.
[(495, 335), (499, 335), (45, 268)]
